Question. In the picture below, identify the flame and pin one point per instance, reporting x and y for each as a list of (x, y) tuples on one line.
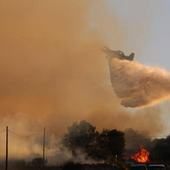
[(141, 156)]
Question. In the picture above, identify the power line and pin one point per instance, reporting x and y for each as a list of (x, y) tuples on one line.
[(142, 137), (2, 131), (52, 135), (26, 136), (49, 134)]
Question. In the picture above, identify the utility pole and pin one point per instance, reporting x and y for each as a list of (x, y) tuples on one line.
[(44, 146), (6, 168)]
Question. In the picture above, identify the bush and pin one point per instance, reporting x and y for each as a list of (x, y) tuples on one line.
[(38, 162)]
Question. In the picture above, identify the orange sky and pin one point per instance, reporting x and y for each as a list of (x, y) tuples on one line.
[(52, 70)]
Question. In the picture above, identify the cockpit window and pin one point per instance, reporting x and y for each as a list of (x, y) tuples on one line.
[(120, 52)]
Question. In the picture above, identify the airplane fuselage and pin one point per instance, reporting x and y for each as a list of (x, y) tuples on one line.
[(117, 54)]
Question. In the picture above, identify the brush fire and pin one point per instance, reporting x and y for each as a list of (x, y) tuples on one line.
[(142, 156)]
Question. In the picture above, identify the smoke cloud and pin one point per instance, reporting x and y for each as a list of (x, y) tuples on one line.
[(138, 85), (53, 73)]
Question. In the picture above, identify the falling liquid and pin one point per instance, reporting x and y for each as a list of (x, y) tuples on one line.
[(138, 85)]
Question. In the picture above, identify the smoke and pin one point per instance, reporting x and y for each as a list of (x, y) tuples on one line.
[(138, 85), (52, 72)]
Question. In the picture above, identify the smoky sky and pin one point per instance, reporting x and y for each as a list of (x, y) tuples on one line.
[(53, 73), (51, 61)]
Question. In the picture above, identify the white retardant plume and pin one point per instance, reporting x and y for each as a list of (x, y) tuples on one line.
[(138, 85)]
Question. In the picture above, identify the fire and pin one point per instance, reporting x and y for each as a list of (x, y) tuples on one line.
[(141, 156)]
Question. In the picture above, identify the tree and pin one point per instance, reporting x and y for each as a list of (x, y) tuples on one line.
[(103, 146), (113, 141), (161, 150), (109, 145), (79, 136)]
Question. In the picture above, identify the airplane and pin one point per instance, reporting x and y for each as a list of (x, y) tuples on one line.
[(117, 54)]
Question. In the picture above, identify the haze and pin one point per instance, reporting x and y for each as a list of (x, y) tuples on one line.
[(52, 70)]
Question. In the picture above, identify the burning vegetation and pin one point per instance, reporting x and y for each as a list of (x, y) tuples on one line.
[(113, 146), (142, 156), (84, 145), (106, 146)]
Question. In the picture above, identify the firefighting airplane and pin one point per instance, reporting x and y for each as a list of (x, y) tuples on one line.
[(117, 54)]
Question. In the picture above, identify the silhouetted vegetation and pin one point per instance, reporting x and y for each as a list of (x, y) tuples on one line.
[(161, 149), (107, 145), (80, 136), (38, 162)]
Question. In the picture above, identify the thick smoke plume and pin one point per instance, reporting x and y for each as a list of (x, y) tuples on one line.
[(138, 85), (52, 72)]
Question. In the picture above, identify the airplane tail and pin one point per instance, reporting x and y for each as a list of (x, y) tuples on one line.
[(131, 56)]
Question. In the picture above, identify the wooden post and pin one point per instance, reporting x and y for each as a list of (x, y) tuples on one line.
[(44, 147), (6, 167)]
